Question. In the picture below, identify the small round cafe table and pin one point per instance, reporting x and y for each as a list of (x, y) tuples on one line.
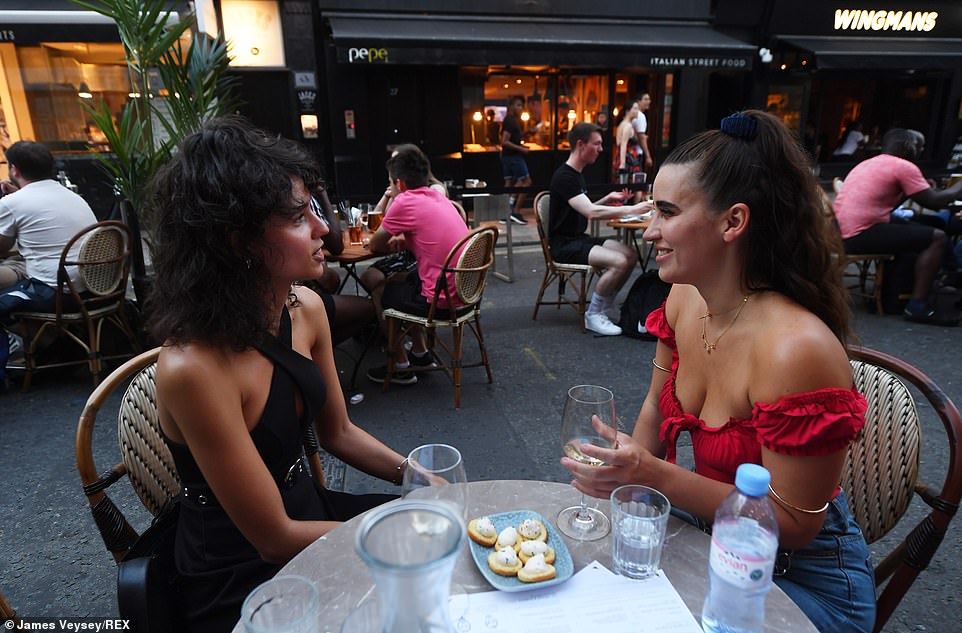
[(343, 579)]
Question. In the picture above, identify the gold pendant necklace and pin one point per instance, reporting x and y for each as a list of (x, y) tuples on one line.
[(710, 347)]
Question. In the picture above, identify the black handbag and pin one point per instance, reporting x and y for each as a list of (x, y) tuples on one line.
[(146, 577)]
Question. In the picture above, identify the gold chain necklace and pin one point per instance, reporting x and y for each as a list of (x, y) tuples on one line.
[(710, 347)]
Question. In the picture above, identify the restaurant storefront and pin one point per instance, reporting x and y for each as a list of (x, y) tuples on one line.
[(441, 77), (883, 63)]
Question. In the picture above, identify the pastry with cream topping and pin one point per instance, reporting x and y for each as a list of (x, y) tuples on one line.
[(505, 562), (536, 570), (482, 531), (532, 530), (507, 538), (530, 549)]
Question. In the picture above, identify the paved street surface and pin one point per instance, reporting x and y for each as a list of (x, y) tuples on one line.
[(52, 561)]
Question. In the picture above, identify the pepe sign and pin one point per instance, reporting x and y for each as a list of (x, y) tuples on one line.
[(367, 55)]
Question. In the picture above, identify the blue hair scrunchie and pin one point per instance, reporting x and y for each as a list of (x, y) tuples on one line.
[(740, 126)]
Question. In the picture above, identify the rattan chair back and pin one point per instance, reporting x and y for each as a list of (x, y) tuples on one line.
[(473, 265), (542, 214), (883, 463), (882, 470), (150, 465), (102, 259)]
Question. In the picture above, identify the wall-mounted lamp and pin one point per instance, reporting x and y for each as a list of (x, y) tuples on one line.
[(615, 111), (477, 116), (572, 115), (84, 91), (525, 116)]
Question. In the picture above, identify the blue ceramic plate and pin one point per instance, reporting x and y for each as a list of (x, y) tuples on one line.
[(562, 564)]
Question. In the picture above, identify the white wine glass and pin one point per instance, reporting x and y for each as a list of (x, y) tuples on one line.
[(437, 465), (584, 402)]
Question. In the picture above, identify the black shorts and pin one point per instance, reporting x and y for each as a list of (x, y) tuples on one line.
[(574, 250), (405, 295), (907, 237)]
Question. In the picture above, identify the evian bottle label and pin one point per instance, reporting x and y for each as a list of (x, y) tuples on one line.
[(744, 569)]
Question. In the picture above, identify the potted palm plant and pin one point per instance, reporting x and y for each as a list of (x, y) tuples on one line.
[(178, 80)]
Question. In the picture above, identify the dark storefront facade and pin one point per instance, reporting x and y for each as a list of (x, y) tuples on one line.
[(884, 63), (441, 76)]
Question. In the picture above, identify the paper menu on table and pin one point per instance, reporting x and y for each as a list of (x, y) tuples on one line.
[(593, 600)]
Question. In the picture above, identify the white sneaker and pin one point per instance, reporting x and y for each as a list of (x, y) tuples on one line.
[(600, 324)]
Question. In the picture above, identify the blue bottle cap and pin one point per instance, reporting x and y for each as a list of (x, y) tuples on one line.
[(752, 479)]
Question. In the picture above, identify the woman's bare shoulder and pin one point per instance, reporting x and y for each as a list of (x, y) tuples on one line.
[(795, 352), (189, 362)]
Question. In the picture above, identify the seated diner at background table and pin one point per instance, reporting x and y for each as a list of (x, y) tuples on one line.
[(246, 365), (421, 220), (401, 262), (347, 314), (751, 360)]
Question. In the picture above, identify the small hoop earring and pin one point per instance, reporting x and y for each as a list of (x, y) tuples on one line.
[(248, 263)]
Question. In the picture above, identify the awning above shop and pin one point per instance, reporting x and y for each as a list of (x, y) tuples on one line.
[(400, 39), (887, 53)]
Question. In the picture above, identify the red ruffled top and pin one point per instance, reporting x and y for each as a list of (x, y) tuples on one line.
[(813, 423)]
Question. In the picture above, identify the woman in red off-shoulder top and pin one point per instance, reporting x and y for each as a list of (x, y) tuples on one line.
[(750, 360)]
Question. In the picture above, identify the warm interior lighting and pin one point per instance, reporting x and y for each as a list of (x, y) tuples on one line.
[(525, 116), (804, 62), (783, 66), (84, 91), (254, 29), (517, 81), (309, 125), (133, 95), (620, 82), (477, 116), (572, 115), (506, 86), (615, 111)]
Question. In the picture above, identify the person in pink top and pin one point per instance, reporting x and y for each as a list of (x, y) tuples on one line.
[(864, 210), (423, 221)]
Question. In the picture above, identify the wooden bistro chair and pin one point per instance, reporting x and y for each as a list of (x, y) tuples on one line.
[(470, 274), (149, 467), (882, 470), (101, 255), (579, 276)]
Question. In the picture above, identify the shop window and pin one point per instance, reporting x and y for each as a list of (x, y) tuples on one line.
[(785, 102), (47, 83), (666, 109), (553, 102)]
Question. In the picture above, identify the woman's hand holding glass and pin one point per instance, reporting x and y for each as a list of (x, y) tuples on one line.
[(625, 461)]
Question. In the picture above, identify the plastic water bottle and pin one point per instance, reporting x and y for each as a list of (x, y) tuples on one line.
[(743, 547)]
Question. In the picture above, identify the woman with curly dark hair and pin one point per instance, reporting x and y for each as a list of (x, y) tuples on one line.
[(751, 361), (246, 365)]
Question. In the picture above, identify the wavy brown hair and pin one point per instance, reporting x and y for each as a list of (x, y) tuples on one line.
[(791, 247), (211, 203)]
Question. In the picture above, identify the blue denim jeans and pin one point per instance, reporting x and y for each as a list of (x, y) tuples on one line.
[(831, 580)]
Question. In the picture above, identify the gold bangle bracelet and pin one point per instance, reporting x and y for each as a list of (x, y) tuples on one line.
[(399, 477), (794, 507), (657, 366)]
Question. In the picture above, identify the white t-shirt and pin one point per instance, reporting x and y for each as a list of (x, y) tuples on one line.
[(640, 123), (42, 216)]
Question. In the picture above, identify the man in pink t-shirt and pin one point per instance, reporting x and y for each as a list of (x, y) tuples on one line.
[(423, 221), (872, 190)]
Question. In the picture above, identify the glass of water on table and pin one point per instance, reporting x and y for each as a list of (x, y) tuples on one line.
[(639, 517)]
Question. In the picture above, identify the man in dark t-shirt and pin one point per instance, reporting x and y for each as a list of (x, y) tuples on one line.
[(570, 210), (512, 156)]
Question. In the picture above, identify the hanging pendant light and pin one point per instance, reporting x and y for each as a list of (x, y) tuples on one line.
[(84, 91)]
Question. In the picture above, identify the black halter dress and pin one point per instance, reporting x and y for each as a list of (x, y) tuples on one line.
[(216, 565)]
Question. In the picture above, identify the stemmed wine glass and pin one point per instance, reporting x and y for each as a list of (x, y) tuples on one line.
[(584, 402)]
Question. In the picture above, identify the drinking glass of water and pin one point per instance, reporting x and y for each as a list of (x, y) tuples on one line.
[(639, 517)]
